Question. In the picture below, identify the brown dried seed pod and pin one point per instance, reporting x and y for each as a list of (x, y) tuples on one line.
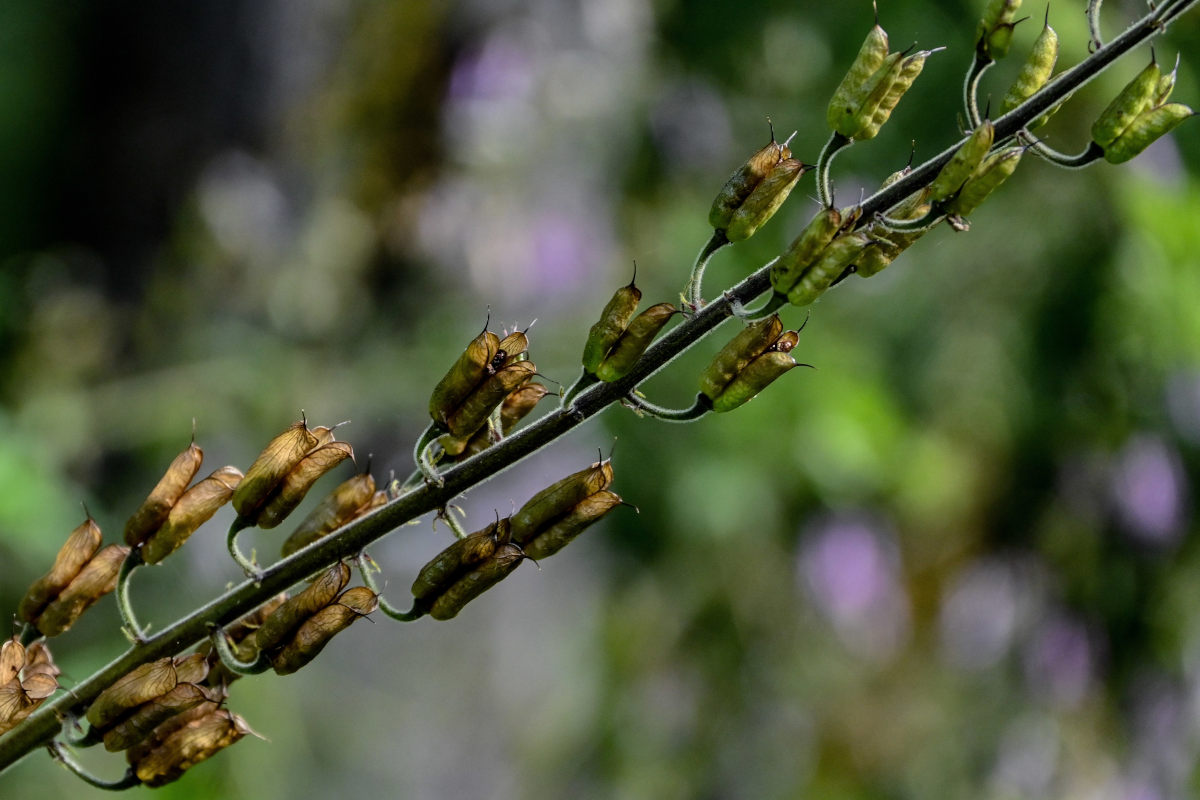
[(563, 531), (241, 639), (461, 556), (473, 413), (293, 611), (275, 461), (299, 480), (515, 407), (80, 546), (154, 509), (471, 369), (197, 741), (312, 636), (741, 350), (39, 661), (139, 686), (475, 582), (96, 579), (137, 725), (335, 510), (156, 737), (193, 509), (558, 499)]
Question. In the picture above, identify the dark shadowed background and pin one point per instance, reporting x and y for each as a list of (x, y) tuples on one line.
[(958, 559)]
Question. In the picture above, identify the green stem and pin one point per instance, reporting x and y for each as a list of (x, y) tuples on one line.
[(63, 755), (220, 643), (248, 565), (1090, 155), (129, 621), (911, 225), (421, 453), (773, 304), (446, 515), (585, 380), (693, 290), (979, 66), (368, 571), (824, 162), (1093, 18), (697, 410)]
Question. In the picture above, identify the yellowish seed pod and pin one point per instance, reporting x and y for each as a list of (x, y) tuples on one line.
[(154, 509), (964, 162), (805, 249), (335, 510), (316, 631), (275, 461), (758, 374), (1145, 130), (197, 741), (292, 612), (994, 170), (870, 58), (1035, 72), (471, 369), (564, 530), (742, 183), (993, 37), (750, 343), (193, 509), (460, 557), (475, 582), (79, 548), (614, 319), (299, 480), (855, 123), (634, 341), (1135, 98), (97, 578), (765, 200), (834, 260), (902, 81), (558, 499)]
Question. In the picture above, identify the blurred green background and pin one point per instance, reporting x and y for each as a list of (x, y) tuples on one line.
[(958, 559)]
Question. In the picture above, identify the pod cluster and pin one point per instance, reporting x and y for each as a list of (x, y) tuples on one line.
[(619, 338), (28, 676), (755, 191), (754, 358), (1139, 115), (872, 87)]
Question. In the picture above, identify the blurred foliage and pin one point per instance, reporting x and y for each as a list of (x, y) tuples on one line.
[(957, 559)]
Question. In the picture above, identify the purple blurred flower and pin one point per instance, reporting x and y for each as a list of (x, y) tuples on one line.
[(1059, 661), (1149, 490)]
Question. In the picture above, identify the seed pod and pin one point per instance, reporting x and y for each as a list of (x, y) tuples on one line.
[(154, 509), (964, 162), (1145, 130), (96, 579), (275, 461), (993, 37), (79, 548), (193, 509), (139, 686), (1135, 98), (751, 342), (462, 556), (471, 369), (834, 260), (299, 480), (742, 183), (765, 200), (804, 250), (558, 499), (474, 583), (901, 82), (870, 58), (241, 640), (339, 507), (562, 532), (856, 121), (473, 413), (1036, 71), (757, 375), (27, 677), (614, 319), (994, 170), (515, 407), (145, 718), (316, 631), (291, 614), (196, 741), (634, 341)]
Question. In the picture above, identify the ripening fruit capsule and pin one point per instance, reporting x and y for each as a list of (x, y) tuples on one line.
[(155, 508), (291, 613), (634, 341), (757, 373), (315, 632), (614, 319), (81, 545), (184, 741), (742, 183), (964, 162), (1036, 71), (275, 461), (1136, 97), (765, 200), (870, 58), (994, 170), (471, 369), (993, 37), (296, 483), (195, 507), (1145, 130), (339, 507), (805, 249), (557, 500), (834, 260)]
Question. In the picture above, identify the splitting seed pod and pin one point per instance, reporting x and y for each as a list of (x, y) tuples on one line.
[(80, 547), (765, 200), (126, 712), (993, 36), (154, 509), (344, 503), (614, 320), (834, 260), (315, 632), (464, 570), (633, 341), (805, 249), (964, 162), (1035, 73), (184, 741), (97, 578), (27, 677), (191, 510), (994, 170), (552, 518), (741, 185)]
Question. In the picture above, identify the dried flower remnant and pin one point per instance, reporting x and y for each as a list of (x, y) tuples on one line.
[(27, 677)]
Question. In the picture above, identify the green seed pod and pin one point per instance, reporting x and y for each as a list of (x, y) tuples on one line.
[(276, 460), (335, 510), (193, 509), (471, 369), (750, 343), (78, 550), (316, 631), (558, 499), (97, 578), (834, 260), (460, 557), (154, 509), (613, 322), (1035, 72), (197, 740), (148, 716), (902, 81), (871, 55), (765, 200), (1135, 98), (964, 162), (299, 480), (739, 187), (1166, 85), (757, 375), (563, 531), (993, 37), (475, 582), (634, 341), (1144, 130), (475, 410), (291, 613), (994, 170), (805, 249)]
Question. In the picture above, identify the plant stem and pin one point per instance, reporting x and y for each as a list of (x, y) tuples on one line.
[(694, 412), (824, 162), (693, 290)]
